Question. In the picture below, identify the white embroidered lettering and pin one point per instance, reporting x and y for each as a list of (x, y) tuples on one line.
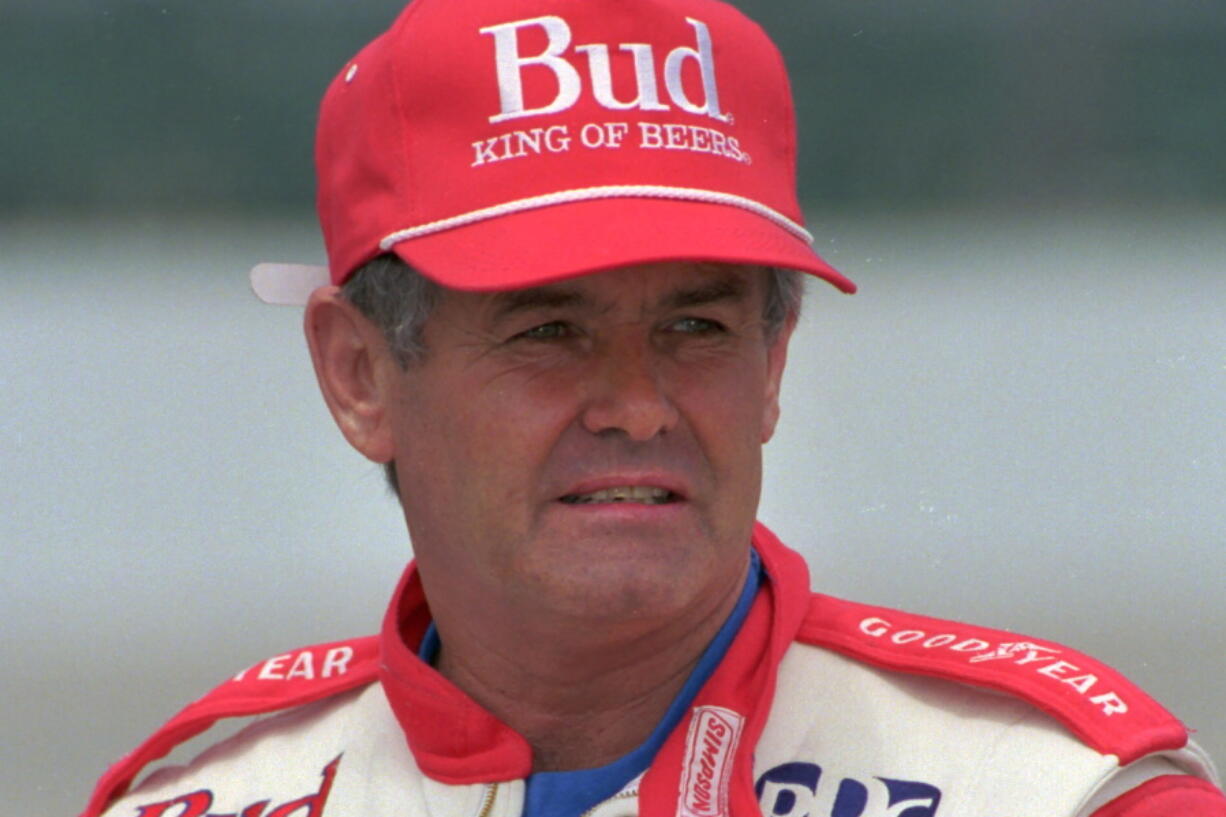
[(674, 63), (592, 135), (485, 152), (650, 135), (648, 98), (615, 133), (1033, 655), (875, 627), (272, 669), (303, 666), (557, 139), (336, 661), (1111, 703), (520, 143), (700, 139), (939, 640), (735, 152), (674, 137), (1082, 683), (1019, 653), (509, 63), (907, 636)]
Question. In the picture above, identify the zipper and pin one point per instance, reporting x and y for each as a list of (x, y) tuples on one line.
[(624, 794), (487, 805), (491, 794)]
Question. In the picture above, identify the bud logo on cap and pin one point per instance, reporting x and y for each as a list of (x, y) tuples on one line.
[(510, 63), (495, 144)]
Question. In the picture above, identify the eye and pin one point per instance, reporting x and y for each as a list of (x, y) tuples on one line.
[(696, 326), (554, 330)]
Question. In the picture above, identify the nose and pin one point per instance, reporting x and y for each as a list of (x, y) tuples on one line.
[(628, 392)]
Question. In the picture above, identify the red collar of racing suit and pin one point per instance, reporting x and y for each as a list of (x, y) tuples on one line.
[(456, 741)]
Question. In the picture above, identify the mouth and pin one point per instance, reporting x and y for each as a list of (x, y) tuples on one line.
[(638, 494)]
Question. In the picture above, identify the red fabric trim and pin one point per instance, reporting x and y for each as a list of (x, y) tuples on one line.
[(1171, 795), (452, 737), (1096, 703), (456, 741), (281, 682), (744, 682)]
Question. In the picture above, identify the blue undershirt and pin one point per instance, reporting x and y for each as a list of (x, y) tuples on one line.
[(571, 793)]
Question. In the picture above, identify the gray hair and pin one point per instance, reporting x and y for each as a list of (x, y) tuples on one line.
[(398, 299)]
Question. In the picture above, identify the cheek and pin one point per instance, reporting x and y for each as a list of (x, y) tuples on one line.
[(522, 410), (725, 416), (491, 436), (729, 400)]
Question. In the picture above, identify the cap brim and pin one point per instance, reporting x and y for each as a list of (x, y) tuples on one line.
[(536, 247), (548, 244)]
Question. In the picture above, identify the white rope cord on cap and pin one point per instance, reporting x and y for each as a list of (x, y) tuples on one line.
[(592, 193)]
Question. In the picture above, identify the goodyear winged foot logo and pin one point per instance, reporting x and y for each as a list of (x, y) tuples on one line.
[(1013, 649)]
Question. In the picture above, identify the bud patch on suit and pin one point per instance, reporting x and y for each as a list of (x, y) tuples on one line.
[(200, 803)]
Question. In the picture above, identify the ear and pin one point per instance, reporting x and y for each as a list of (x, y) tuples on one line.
[(776, 359), (351, 364)]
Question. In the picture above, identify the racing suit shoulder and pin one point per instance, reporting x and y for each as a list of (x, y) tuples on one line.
[(343, 756), (1093, 701), (284, 682), (941, 713)]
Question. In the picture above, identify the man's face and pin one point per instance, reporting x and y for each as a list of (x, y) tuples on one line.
[(590, 448)]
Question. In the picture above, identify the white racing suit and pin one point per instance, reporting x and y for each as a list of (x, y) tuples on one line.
[(820, 708)]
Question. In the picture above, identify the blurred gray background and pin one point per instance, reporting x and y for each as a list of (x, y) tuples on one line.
[(1017, 422)]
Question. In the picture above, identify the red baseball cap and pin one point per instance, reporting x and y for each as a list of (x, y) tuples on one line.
[(496, 144)]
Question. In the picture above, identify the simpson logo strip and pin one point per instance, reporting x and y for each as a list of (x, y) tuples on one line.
[(281, 682), (737, 697), (593, 193), (1099, 705), (706, 772)]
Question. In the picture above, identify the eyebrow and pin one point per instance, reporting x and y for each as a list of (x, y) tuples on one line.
[(512, 302), (727, 288), (515, 301)]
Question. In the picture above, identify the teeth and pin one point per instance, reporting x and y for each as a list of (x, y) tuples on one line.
[(629, 493)]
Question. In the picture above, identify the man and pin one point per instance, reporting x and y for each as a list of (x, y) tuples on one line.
[(563, 244)]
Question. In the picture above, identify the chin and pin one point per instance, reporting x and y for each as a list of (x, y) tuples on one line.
[(636, 582)]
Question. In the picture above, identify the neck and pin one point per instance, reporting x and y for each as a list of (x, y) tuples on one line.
[(581, 693)]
